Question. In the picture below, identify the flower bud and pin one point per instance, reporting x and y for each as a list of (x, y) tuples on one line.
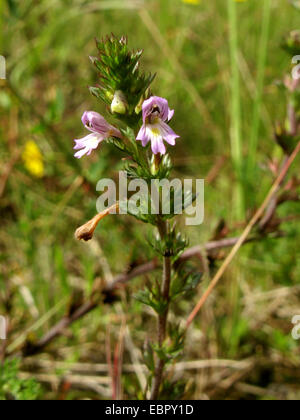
[(155, 164), (139, 106), (119, 103)]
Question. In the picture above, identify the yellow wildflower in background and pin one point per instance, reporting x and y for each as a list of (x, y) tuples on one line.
[(195, 2), (33, 159)]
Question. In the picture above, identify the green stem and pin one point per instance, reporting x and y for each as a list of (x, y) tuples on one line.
[(163, 318), (235, 135), (1, 25), (262, 59)]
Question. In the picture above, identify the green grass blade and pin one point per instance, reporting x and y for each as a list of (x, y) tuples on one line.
[(236, 124), (257, 107)]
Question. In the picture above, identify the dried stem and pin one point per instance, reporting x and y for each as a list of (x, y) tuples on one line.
[(244, 235), (92, 303), (86, 232)]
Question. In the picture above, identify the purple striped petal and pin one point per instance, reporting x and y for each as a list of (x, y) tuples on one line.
[(162, 106), (143, 137), (157, 146), (156, 112), (95, 123), (168, 134)]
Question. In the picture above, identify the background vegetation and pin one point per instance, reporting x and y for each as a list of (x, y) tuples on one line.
[(240, 346)]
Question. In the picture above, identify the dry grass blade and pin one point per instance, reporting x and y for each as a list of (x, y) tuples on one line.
[(97, 368), (96, 384), (188, 85), (245, 235)]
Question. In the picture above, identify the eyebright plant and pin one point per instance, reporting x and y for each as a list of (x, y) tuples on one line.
[(142, 132)]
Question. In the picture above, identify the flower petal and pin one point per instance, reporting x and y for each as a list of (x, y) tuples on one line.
[(171, 114), (94, 122), (79, 144), (87, 144), (143, 137), (158, 146), (155, 101), (81, 153), (168, 134), (156, 112)]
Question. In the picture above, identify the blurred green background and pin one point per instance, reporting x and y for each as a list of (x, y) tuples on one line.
[(45, 194)]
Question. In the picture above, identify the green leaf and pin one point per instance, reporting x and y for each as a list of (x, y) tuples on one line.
[(13, 388), (152, 297)]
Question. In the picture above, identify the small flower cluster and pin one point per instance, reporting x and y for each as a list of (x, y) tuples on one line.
[(126, 92), (156, 114)]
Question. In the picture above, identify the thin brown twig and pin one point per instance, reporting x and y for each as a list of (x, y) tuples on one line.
[(118, 362), (105, 368), (108, 359), (96, 384), (215, 170), (244, 235), (109, 288), (271, 209)]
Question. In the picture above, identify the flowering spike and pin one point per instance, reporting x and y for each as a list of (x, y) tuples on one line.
[(156, 112), (119, 72)]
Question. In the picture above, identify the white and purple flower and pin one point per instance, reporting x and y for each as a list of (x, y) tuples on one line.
[(100, 130), (156, 114)]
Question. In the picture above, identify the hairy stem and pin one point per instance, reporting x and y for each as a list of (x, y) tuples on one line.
[(163, 318)]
